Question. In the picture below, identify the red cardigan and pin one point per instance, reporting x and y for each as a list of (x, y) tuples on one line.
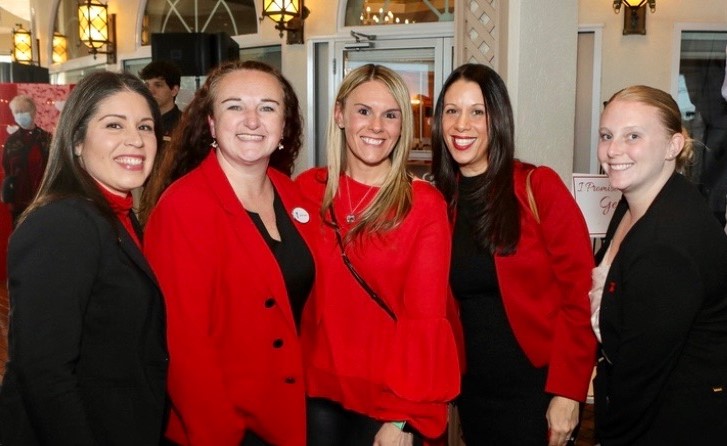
[(545, 284), (235, 358), (355, 353)]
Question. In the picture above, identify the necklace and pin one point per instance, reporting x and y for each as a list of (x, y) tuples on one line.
[(351, 216)]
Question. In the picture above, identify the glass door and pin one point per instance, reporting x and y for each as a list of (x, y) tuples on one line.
[(423, 63), (701, 94)]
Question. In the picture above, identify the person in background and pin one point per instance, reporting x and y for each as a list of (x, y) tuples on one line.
[(520, 271), (164, 79), (24, 157), (229, 242), (381, 357), (660, 289), (87, 357)]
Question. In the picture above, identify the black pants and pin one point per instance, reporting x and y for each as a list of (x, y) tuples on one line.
[(329, 424)]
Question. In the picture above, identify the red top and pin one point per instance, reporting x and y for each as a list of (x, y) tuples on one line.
[(355, 353), (234, 355), (545, 284), (121, 207)]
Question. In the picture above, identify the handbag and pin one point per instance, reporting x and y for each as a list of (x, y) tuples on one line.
[(370, 291), (7, 193), (531, 196)]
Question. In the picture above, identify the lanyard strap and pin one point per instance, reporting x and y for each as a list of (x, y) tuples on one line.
[(370, 291)]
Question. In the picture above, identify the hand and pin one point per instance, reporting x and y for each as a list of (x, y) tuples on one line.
[(390, 435), (562, 416)]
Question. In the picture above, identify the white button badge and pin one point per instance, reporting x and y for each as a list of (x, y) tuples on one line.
[(301, 215)]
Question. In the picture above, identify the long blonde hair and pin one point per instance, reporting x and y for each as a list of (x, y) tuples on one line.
[(393, 200)]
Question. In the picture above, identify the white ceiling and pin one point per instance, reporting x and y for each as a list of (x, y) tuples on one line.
[(20, 8)]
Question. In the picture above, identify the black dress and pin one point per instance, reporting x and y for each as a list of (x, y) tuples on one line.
[(502, 400)]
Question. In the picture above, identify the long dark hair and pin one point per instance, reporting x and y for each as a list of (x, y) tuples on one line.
[(496, 213), (192, 139), (64, 175)]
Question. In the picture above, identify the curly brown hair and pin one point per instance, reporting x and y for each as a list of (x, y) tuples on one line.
[(192, 139)]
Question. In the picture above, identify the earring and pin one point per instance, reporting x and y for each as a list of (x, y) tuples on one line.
[(280, 145), (214, 143)]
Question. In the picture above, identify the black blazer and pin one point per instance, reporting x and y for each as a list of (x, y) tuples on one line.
[(87, 350), (662, 373)]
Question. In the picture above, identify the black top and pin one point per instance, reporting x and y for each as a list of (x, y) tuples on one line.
[(662, 376), (293, 257), (88, 360), (170, 120), (489, 340)]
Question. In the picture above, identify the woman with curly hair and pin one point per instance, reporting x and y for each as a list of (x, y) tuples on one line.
[(229, 244)]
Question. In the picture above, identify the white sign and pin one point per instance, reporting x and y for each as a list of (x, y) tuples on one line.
[(597, 200)]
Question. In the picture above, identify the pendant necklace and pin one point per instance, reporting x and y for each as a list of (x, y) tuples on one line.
[(351, 216)]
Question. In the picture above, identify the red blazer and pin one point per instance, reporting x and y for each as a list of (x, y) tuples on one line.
[(235, 357), (545, 284), (355, 353)]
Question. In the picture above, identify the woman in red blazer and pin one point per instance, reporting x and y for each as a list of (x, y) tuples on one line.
[(520, 272), (380, 368), (228, 242)]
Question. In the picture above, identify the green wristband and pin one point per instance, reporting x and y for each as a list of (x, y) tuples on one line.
[(399, 424)]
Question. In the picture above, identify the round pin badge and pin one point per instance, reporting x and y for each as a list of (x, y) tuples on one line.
[(301, 215)]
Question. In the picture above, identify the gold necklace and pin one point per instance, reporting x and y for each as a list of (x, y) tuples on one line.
[(351, 216)]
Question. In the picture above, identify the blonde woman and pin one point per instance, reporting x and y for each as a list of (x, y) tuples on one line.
[(382, 361)]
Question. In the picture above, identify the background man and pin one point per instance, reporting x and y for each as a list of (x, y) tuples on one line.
[(163, 79)]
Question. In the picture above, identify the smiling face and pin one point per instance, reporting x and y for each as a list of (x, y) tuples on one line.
[(371, 120), (635, 149), (464, 126), (120, 144), (248, 117)]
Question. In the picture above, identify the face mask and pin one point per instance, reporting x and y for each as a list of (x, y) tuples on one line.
[(24, 120)]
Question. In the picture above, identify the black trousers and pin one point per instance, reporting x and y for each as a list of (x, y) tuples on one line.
[(329, 424)]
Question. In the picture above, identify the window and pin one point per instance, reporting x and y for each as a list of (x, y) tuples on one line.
[(392, 12), (235, 17)]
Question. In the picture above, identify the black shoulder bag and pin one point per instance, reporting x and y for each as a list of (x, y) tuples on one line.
[(379, 301)]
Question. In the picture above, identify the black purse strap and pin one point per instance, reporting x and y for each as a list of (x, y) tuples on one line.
[(370, 291)]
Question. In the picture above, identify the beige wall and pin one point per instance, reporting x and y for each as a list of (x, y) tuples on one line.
[(637, 59), (541, 77), (7, 25)]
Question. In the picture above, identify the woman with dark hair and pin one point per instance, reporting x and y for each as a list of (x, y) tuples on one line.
[(660, 290), (87, 354), (229, 244), (381, 356), (521, 271)]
